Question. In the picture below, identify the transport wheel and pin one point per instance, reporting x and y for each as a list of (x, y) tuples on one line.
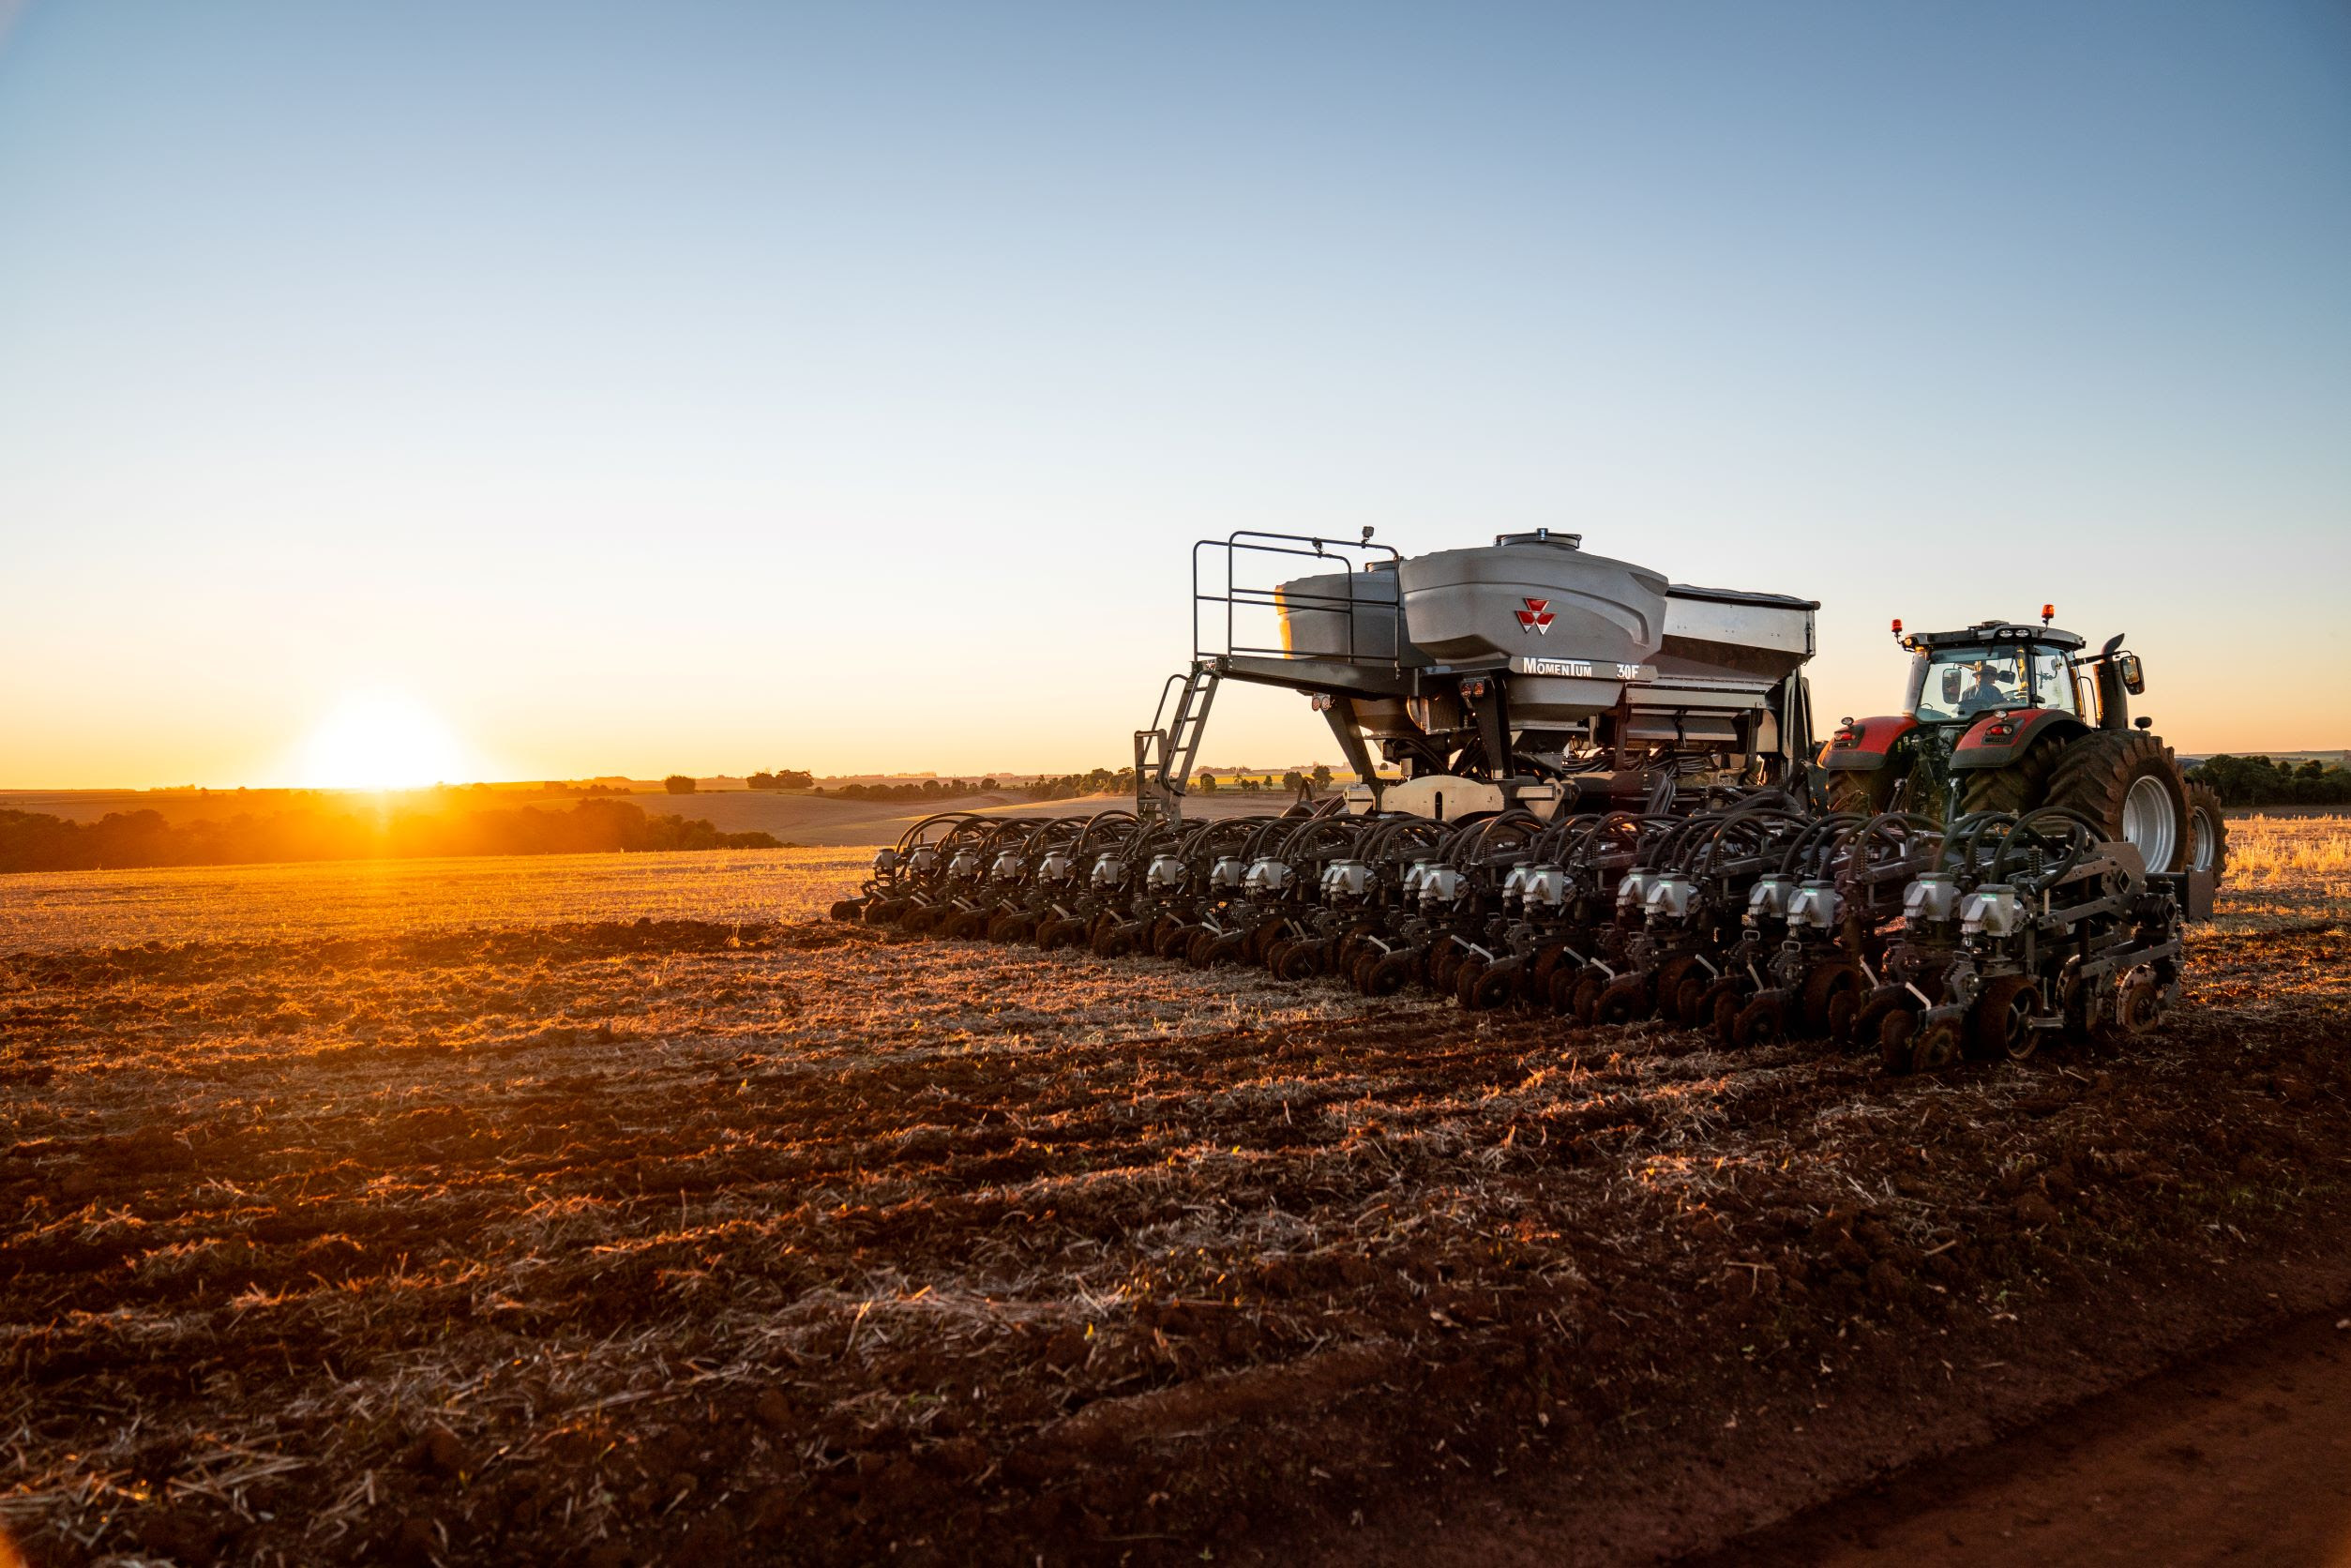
[(2126, 782), (2208, 832), (1386, 974), (1935, 1046), (1719, 1008), (1589, 984), (1896, 1027), (849, 908), (1761, 1023), (1624, 1001), (2002, 1023), (1825, 982), (1863, 794), (2017, 788)]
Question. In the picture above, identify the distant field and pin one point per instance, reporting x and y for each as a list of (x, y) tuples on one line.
[(54, 911), (807, 820)]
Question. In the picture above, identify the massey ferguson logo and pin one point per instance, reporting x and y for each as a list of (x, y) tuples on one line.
[(1536, 617)]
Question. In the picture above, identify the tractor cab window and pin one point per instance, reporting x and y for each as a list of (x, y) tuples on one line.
[(1958, 683), (1949, 684), (2052, 682)]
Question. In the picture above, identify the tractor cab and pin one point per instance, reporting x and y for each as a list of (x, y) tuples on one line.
[(1957, 677)]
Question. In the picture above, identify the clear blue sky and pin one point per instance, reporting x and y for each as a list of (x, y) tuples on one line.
[(701, 387)]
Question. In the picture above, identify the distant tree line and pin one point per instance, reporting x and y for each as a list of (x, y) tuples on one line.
[(1069, 786), (1292, 782), (2259, 782), (31, 842), (926, 788), (782, 778)]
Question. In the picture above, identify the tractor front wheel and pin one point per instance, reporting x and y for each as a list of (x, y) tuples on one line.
[(1861, 794), (2017, 788)]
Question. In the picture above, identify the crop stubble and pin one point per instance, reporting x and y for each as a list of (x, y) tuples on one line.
[(423, 1228)]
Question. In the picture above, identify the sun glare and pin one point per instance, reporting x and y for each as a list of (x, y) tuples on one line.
[(380, 740)]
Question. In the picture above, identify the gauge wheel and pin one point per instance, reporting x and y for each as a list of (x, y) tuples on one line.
[(2001, 1024)]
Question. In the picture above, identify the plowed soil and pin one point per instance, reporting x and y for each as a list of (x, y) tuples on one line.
[(633, 1242)]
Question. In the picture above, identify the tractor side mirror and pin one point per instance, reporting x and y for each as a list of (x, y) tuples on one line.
[(2133, 677), (1951, 686)]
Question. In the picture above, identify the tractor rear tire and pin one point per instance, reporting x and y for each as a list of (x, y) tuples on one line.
[(1862, 794), (2208, 832), (2017, 788), (2125, 781)]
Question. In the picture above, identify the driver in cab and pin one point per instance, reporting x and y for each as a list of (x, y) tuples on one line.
[(1987, 693)]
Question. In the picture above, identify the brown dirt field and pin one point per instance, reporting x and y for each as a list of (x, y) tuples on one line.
[(2240, 1456), (436, 1227)]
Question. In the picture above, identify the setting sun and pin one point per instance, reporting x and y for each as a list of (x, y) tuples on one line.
[(380, 740)]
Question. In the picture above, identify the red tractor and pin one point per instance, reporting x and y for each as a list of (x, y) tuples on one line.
[(2011, 717)]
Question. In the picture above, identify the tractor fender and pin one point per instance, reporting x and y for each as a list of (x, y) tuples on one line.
[(1996, 740), (1861, 745)]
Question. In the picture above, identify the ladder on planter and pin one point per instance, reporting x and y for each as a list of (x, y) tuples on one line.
[(1164, 754)]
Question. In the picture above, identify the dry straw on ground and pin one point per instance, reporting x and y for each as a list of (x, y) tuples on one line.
[(437, 1213)]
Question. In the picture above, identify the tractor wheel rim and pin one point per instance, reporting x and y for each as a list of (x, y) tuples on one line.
[(2200, 837), (2150, 821)]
